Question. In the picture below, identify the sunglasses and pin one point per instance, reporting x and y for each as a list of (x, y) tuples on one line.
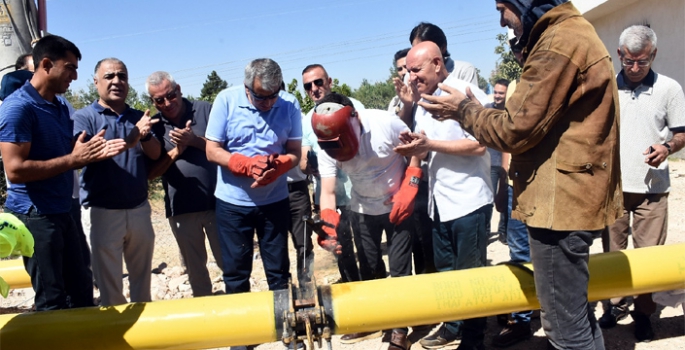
[(317, 82), (169, 97), (261, 97)]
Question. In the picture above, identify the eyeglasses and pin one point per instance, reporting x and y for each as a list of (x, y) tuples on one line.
[(169, 97), (640, 63), (260, 97), (317, 82)]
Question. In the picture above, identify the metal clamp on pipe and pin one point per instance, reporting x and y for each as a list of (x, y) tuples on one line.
[(305, 320)]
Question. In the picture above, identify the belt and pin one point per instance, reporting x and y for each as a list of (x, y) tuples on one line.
[(302, 185)]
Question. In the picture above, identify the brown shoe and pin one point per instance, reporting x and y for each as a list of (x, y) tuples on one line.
[(399, 341), (357, 337)]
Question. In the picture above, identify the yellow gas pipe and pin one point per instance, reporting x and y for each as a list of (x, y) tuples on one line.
[(253, 318), (14, 273)]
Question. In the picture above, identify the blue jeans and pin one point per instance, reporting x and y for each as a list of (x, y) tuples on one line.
[(560, 261), (59, 274), (236, 226), (462, 244), (519, 250)]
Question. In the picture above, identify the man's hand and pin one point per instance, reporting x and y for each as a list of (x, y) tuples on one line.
[(655, 154), (254, 167), (182, 137), (403, 91), (277, 167), (446, 106), (403, 200), (330, 241), (413, 144), (145, 124), (88, 152)]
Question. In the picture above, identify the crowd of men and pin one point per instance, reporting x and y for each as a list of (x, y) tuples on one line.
[(549, 154)]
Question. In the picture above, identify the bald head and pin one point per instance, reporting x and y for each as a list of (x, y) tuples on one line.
[(425, 67)]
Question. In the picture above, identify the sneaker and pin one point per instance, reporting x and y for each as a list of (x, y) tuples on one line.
[(512, 333), (441, 338), (503, 319), (357, 337), (399, 341), (643, 327), (612, 315), (424, 328)]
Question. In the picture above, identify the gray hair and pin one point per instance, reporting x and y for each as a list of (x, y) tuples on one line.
[(108, 59), (157, 78), (636, 38), (268, 72)]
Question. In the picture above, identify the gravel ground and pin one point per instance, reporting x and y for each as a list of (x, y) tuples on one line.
[(668, 323)]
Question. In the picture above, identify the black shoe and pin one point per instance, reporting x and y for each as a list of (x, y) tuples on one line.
[(502, 319), (612, 315), (643, 327), (513, 333), (441, 338), (471, 346)]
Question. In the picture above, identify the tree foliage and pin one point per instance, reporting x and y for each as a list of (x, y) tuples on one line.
[(482, 82), (306, 103), (212, 86), (376, 95), (506, 66), (82, 98)]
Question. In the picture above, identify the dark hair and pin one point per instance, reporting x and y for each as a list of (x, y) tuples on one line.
[(21, 61), (503, 82), (108, 59), (314, 66), (53, 47), (401, 54), (430, 32), (335, 97)]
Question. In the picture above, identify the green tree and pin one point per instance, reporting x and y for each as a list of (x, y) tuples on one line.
[(212, 86), (306, 103), (376, 95), (482, 82), (343, 89), (506, 66)]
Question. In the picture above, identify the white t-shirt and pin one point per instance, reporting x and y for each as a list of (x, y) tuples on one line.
[(647, 114), (458, 185), (376, 171)]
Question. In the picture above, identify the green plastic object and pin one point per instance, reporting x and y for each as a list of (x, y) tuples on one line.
[(4, 288), (15, 238)]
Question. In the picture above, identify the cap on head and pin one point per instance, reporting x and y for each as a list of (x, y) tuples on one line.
[(332, 124)]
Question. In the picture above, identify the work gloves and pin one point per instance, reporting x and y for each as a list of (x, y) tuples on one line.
[(330, 240), (403, 200), (263, 169)]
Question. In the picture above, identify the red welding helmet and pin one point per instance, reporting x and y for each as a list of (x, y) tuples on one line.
[(332, 124)]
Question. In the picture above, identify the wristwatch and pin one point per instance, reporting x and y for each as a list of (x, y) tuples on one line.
[(668, 147)]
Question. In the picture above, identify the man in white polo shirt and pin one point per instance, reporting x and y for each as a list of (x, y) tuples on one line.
[(652, 107), (459, 195)]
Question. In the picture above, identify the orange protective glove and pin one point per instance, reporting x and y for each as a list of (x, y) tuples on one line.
[(278, 167), (241, 165), (403, 200), (330, 241)]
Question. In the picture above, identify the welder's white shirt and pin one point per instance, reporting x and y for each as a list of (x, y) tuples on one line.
[(376, 171), (458, 185)]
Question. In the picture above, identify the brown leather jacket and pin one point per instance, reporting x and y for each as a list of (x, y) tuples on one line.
[(561, 127)]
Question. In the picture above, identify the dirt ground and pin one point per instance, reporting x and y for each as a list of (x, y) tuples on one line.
[(668, 323)]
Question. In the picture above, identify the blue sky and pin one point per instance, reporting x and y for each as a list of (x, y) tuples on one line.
[(353, 39)]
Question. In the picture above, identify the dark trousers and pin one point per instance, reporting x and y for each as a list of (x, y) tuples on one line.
[(347, 261), (495, 172), (422, 233), (301, 234), (560, 261), (59, 275), (368, 231), (236, 226), (75, 213), (461, 244)]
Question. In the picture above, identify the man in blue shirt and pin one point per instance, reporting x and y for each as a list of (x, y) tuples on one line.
[(255, 136), (114, 191), (188, 177), (39, 153)]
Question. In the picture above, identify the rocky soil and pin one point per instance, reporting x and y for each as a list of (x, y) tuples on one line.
[(170, 282)]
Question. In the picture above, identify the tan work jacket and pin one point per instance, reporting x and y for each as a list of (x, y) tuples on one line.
[(561, 127)]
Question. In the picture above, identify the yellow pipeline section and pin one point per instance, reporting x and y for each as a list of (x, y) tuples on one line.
[(425, 299), (362, 306), (14, 273)]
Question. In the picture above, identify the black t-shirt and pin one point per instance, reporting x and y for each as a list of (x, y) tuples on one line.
[(190, 181)]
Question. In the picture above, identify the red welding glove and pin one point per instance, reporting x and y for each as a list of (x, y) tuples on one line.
[(330, 241), (241, 165), (277, 167), (403, 200)]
